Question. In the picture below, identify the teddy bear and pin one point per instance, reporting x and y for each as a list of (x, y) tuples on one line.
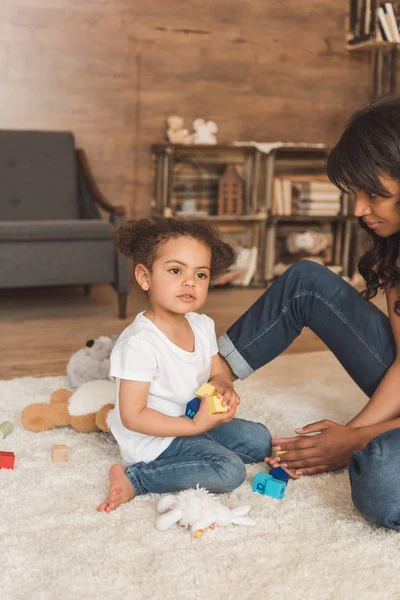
[(205, 132), (175, 132), (86, 410), (91, 362)]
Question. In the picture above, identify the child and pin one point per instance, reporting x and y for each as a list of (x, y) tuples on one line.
[(160, 361)]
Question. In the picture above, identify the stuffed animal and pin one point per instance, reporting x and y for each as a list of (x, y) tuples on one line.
[(85, 410), (312, 242), (205, 132), (91, 362), (175, 132), (197, 509)]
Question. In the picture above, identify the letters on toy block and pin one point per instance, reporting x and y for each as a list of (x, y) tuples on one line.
[(7, 460), (260, 482), (275, 488), (280, 474), (215, 405), (192, 408), (59, 453), (206, 388)]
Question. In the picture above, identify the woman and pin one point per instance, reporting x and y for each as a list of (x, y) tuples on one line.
[(366, 163)]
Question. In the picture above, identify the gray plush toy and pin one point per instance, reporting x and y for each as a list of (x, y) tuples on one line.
[(91, 362)]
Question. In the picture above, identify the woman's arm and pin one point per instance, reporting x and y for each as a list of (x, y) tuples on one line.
[(334, 445), (385, 403), (136, 416)]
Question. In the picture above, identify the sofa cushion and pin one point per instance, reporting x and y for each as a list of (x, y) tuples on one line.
[(38, 176), (82, 229)]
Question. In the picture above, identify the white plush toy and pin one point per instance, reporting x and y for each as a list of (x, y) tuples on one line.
[(91, 362), (205, 132), (197, 509)]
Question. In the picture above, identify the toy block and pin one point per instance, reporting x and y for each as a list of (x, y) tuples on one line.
[(275, 488), (215, 405), (5, 429), (192, 408), (7, 460), (280, 474), (260, 482), (59, 453), (206, 388)]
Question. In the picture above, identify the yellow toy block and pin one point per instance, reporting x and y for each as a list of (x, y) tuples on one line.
[(215, 405), (206, 388), (279, 452)]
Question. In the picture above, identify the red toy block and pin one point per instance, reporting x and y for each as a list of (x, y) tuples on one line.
[(7, 460)]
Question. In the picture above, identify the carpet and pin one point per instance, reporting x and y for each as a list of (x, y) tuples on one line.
[(311, 544)]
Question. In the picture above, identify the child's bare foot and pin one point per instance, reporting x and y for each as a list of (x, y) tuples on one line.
[(120, 490)]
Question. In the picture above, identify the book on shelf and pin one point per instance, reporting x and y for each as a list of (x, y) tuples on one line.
[(243, 270), (371, 20), (298, 196), (391, 21), (384, 23)]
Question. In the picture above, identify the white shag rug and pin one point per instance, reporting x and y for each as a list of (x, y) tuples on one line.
[(311, 544)]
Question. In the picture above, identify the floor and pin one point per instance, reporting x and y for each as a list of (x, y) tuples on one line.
[(42, 327)]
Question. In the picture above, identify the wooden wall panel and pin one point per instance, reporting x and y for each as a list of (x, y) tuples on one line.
[(112, 70)]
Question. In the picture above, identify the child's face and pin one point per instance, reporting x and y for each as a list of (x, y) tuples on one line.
[(180, 276), (381, 215)]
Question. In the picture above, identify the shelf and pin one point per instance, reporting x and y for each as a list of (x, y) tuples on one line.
[(370, 44), (220, 218), (308, 218)]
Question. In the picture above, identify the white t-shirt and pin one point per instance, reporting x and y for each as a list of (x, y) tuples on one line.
[(143, 353)]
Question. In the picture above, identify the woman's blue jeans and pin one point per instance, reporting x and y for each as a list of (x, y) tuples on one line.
[(359, 335)]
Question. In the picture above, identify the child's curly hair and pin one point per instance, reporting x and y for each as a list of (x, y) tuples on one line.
[(141, 240)]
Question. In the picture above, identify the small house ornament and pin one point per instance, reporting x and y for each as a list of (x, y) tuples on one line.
[(230, 196)]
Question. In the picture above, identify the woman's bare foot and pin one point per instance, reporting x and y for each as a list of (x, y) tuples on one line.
[(120, 490)]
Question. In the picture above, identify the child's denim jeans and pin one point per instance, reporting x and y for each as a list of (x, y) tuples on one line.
[(214, 460), (359, 335)]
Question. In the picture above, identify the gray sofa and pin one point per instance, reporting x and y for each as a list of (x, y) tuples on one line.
[(51, 230)]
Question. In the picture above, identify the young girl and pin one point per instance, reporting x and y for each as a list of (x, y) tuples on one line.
[(160, 361), (366, 163)]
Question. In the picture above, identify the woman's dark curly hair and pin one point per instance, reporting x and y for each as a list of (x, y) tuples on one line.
[(141, 241), (368, 148)]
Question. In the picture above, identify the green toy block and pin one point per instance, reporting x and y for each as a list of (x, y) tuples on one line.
[(5, 429)]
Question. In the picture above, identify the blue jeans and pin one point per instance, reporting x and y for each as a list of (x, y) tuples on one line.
[(359, 335), (214, 460)]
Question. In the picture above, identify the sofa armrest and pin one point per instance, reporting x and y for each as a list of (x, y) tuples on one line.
[(117, 213)]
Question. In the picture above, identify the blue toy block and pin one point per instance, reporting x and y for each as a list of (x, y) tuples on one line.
[(275, 488), (279, 473), (192, 408), (260, 481)]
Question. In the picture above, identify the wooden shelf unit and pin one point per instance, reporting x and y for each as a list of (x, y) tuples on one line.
[(259, 171), (311, 161)]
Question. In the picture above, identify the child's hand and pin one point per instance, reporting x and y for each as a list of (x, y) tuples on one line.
[(204, 421), (224, 387)]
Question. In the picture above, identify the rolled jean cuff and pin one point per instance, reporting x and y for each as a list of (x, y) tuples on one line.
[(130, 473), (237, 363)]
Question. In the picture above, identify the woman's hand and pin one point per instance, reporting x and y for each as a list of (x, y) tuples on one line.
[(224, 387), (204, 421), (330, 449), (273, 463)]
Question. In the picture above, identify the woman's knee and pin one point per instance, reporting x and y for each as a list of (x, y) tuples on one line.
[(230, 473), (375, 480)]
